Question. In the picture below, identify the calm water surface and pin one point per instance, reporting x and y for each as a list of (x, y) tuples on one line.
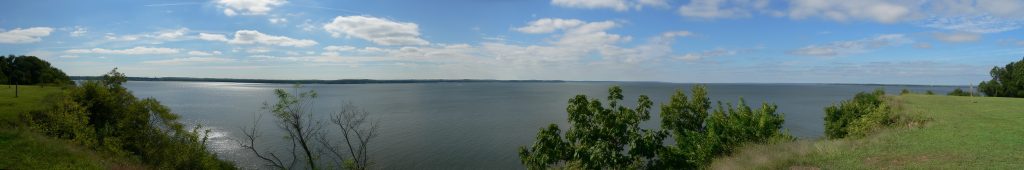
[(462, 125)]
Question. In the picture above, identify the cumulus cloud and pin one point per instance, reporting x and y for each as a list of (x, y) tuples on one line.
[(548, 25), (248, 7), (22, 36), (617, 5), (213, 37), (256, 37), (170, 34), (885, 11), (852, 47), (957, 37), (178, 61), (140, 50), (380, 31)]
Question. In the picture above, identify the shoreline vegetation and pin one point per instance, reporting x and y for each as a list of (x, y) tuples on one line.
[(394, 81), (55, 123)]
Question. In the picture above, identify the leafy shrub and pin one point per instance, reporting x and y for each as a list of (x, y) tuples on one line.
[(610, 138), (859, 116), (107, 117), (904, 91), (959, 92)]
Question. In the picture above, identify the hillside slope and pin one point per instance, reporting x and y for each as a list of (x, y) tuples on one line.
[(961, 133)]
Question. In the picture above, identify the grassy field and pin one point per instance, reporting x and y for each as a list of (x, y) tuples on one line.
[(21, 148), (961, 133), (30, 98)]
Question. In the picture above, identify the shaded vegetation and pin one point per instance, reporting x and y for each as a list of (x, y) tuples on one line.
[(1006, 81), (609, 136), (105, 116), (30, 70)]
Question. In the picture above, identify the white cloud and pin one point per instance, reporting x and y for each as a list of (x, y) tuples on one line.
[(213, 37), (131, 51), (852, 47), (78, 32), (307, 25), (156, 37), (884, 11), (714, 9), (377, 30), (258, 50), (691, 57), (957, 37), (339, 48), (170, 34), (248, 7), (278, 20), (548, 25), (617, 5), (255, 37), (22, 36), (69, 56), (974, 24), (178, 61), (203, 53)]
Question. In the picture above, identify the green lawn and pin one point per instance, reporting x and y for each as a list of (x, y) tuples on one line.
[(963, 133), (21, 148), (30, 98)]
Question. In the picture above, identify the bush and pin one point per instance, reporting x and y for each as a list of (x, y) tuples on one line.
[(1006, 81), (858, 116), (610, 138), (959, 92), (105, 116)]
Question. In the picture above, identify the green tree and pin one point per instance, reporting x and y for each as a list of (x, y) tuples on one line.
[(610, 138), (106, 116), (1006, 81), (598, 137)]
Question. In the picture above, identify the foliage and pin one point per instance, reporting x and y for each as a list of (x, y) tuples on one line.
[(856, 116), (1006, 81), (929, 92), (598, 137), (294, 115), (959, 92), (904, 91), (30, 70), (106, 116), (610, 137), (961, 133)]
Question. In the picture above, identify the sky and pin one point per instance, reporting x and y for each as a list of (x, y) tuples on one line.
[(936, 42)]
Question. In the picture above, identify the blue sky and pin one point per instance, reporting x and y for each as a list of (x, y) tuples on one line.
[(707, 41)]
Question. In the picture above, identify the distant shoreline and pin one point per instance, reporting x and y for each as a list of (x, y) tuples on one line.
[(397, 81), (340, 81)]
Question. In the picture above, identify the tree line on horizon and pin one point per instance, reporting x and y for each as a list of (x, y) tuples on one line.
[(30, 70)]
